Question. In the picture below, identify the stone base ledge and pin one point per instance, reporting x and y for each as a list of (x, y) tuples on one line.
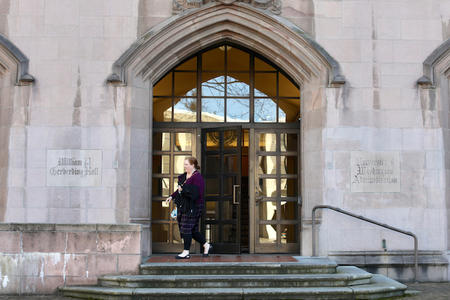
[(38, 258), (399, 265), (70, 227)]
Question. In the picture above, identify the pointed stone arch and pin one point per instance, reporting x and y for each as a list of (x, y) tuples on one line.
[(161, 48), (169, 43)]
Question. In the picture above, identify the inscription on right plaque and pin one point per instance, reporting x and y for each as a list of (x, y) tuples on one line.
[(375, 172)]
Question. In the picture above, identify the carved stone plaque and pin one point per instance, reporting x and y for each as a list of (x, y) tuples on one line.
[(375, 172), (273, 6), (74, 167)]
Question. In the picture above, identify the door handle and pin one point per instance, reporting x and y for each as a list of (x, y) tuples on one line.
[(235, 196)]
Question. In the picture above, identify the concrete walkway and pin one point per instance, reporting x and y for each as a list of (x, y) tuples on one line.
[(430, 291)]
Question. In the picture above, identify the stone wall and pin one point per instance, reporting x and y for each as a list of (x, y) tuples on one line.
[(37, 258), (380, 45)]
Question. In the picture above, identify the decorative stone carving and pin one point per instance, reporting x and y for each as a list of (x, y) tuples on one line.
[(273, 6)]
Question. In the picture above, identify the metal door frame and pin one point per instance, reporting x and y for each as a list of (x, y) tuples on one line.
[(236, 183)]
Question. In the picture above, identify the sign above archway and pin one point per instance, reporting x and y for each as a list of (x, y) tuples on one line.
[(273, 6)]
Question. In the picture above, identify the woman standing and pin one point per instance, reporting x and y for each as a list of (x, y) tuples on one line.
[(188, 221)]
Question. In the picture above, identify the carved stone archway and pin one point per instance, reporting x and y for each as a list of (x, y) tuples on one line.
[(238, 22)]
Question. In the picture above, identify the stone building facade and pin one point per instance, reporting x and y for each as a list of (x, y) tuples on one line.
[(82, 144)]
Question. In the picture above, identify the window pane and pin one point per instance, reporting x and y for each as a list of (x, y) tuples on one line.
[(159, 212), (214, 60), (238, 85), (212, 210), (268, 187), (268, 210), (237, 60), (161, 141), (230, 139), (164, 86), (160, 187), (288, 210), (212, 187), (178, 164), (190, 65), (289, 165), (266, 85), (185, 84), (229, 233), (267, 234), (161, 164), (212, 165), (289, 187), (288, 142), (231, 163), (212, 233), (228, 210), (160, 233), (238, 110), (287, 88), (289, 234), (185, 110), (213, 141), (228, 186), (260, 65), (213, 110), (213, 84), (176, 234), (265, 110), (183, 141), (162, 109), (267, 165), (289, 110), (267, 142)]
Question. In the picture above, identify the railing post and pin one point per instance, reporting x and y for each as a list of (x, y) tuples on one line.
[(416, 259), (313, 231)]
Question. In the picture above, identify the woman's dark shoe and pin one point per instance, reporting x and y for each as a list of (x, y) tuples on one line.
[(183, 257), (207, 250)]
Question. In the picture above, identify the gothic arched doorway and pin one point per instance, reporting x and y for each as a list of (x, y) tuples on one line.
[(247, 113)]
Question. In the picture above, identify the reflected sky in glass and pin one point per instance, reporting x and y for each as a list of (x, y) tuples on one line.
[(238, 110), (265, 110), (214, 87)]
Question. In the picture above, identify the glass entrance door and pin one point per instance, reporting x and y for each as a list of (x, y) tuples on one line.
[(277, 186), (221, 169)]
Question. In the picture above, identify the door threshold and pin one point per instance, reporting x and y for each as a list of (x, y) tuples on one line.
[(162, 258)]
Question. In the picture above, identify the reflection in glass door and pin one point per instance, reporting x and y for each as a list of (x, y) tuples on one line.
[(221, 169), (277, 192), (170, 148)]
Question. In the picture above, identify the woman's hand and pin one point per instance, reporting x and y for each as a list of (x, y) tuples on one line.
[(180, 189), (168, 200)]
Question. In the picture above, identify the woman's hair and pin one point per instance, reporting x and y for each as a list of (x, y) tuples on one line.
[(193, 161)]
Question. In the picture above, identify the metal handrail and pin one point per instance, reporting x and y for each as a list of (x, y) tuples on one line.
[(416, 264)]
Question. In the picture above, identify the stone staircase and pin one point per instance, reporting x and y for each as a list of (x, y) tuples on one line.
[(308, 278)]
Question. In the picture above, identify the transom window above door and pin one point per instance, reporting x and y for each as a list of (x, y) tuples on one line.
[(226, 84)]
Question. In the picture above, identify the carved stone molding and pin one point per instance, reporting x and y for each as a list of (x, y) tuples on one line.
[(273, 6)]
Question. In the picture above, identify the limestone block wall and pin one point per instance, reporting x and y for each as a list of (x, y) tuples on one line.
[(38, 258), (72, 46), (381, 46)]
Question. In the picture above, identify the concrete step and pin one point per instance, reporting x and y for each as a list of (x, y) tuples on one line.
[(345, 276), (380, 287), (316, 265)]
